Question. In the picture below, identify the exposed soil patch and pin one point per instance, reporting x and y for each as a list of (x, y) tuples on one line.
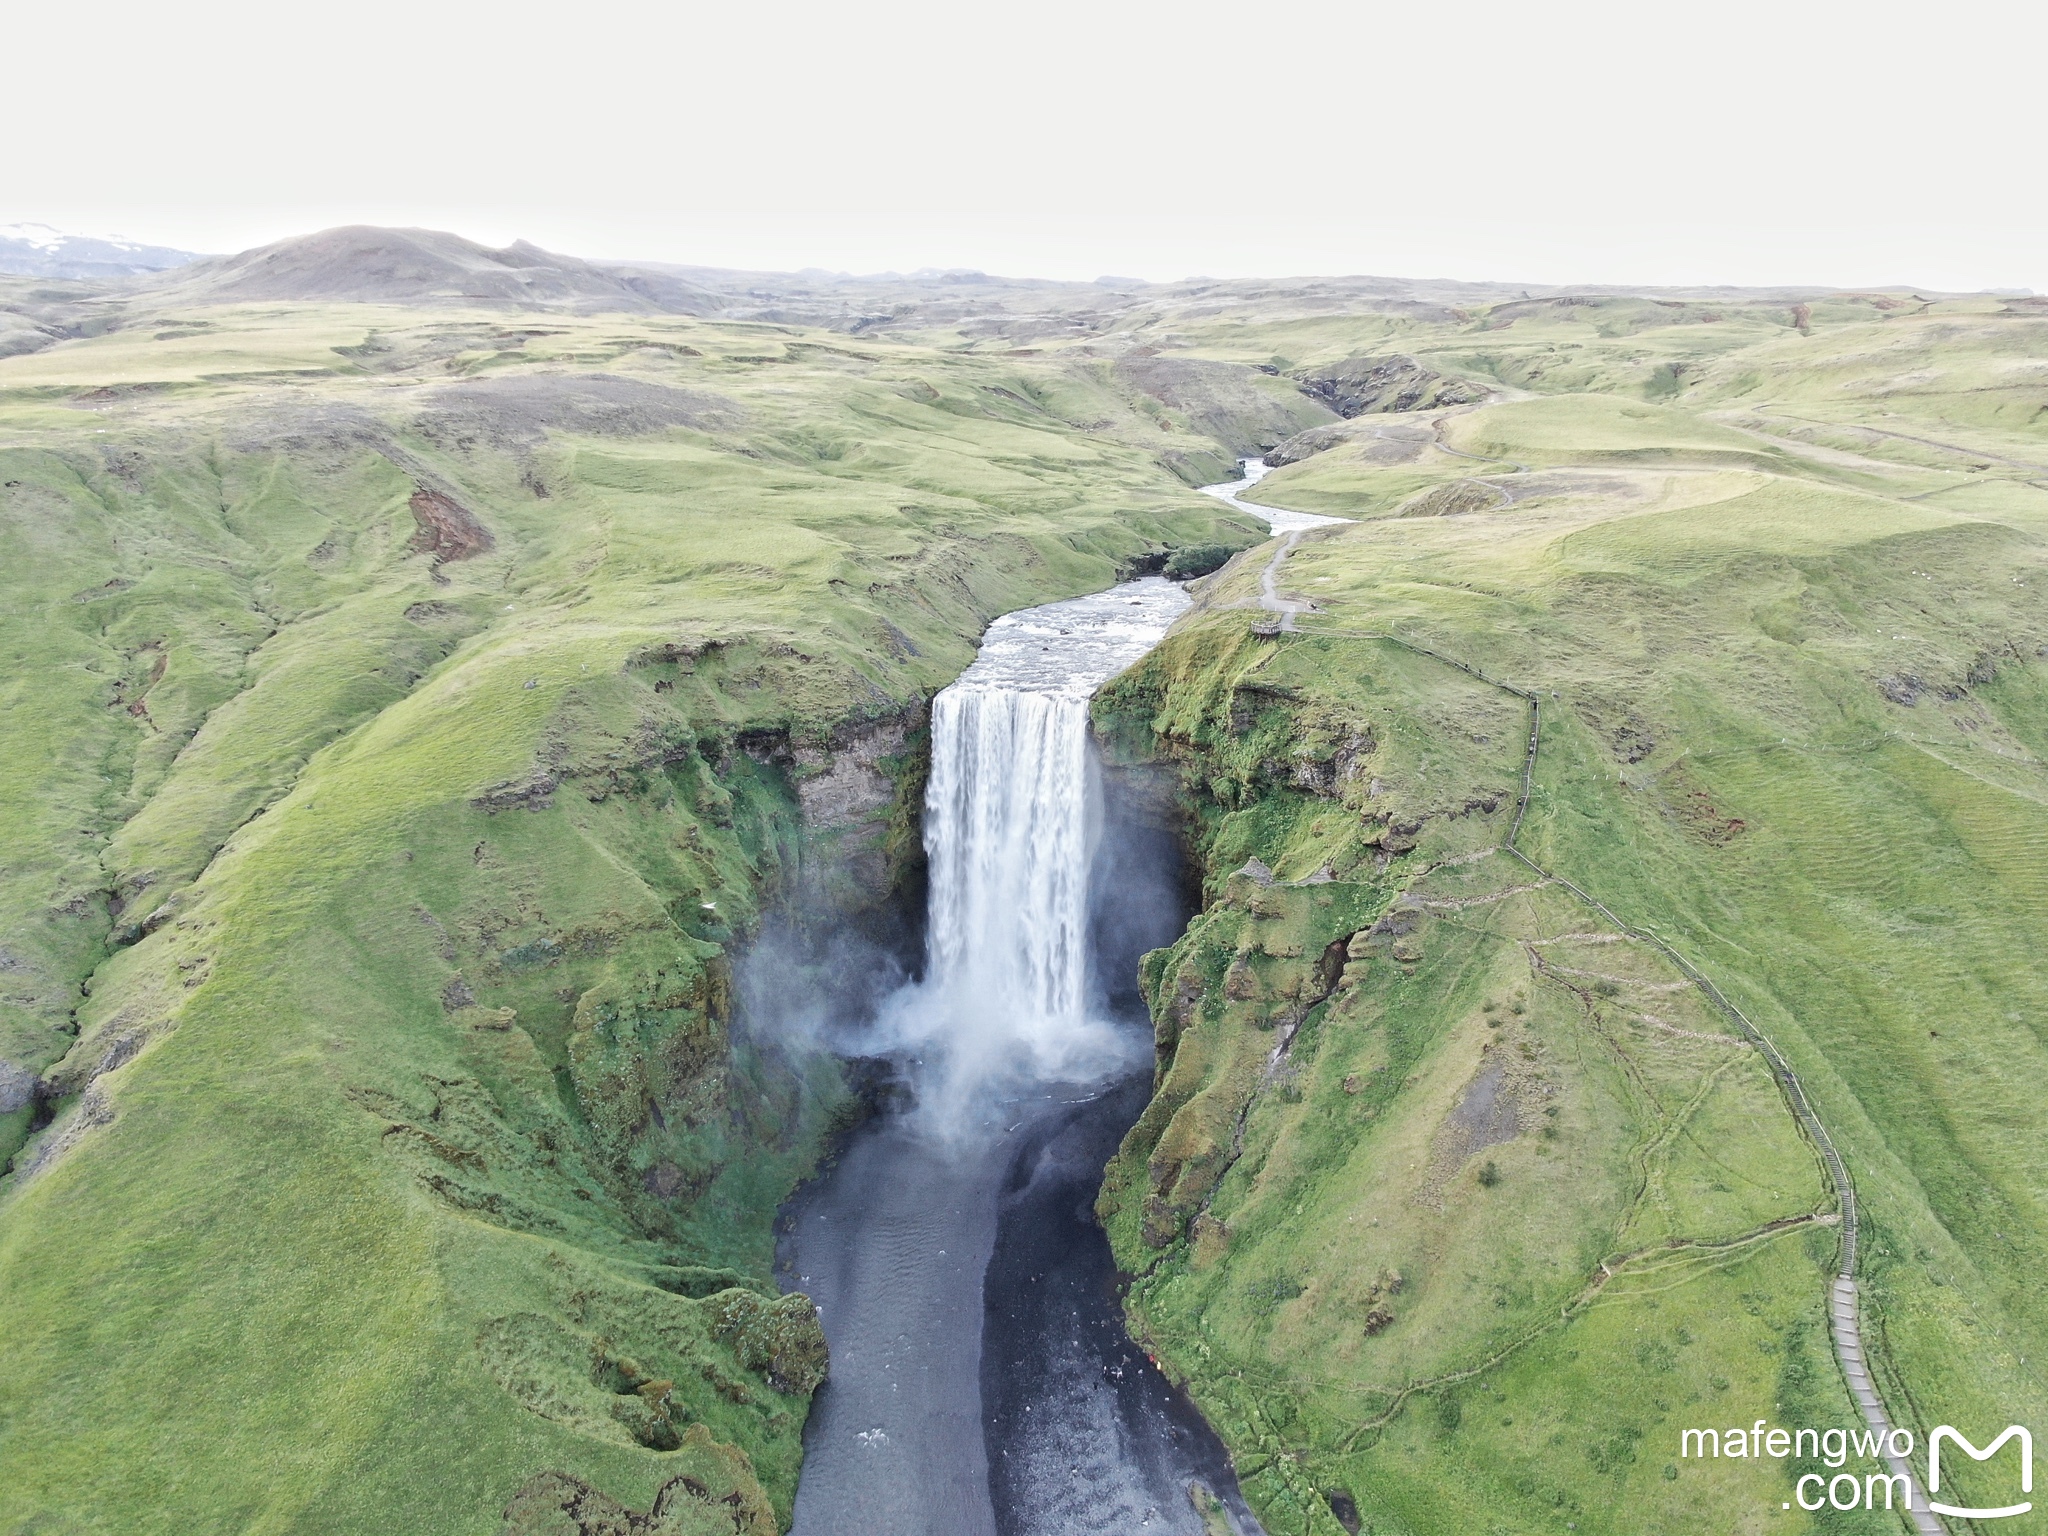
[(1454, 498), (447, 529), (1488, 1114), (1628, 735), (535, 793), (1694, 810), (112, 394), (18, 1087)]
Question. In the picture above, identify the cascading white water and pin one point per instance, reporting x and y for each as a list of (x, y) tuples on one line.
[(1012, 813)]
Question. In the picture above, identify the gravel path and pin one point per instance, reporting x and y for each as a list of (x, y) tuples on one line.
[(1290, 526), (1848, 1331)]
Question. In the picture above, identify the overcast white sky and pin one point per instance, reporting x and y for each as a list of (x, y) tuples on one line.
[(1785, 141)]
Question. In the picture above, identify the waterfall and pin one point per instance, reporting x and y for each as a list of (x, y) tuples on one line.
[(982, 1380), (1012, 816)]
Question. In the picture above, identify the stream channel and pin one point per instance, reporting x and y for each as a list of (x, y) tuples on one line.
[(982, 1382)]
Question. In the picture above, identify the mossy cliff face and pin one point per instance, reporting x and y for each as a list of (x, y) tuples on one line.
[(1263, 958), (1276, 768)]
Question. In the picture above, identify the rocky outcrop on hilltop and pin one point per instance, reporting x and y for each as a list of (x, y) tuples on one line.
[(1361, 385), (1304, 445)]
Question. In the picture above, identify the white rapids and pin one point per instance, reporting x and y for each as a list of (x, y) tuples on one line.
[(982, 1381)]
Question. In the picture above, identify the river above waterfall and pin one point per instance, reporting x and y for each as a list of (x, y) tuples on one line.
[(1279, 519), (982, 1383)]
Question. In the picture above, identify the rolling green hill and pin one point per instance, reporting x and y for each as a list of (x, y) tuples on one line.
[(409, 718), (416, 711), (1458, 1201)]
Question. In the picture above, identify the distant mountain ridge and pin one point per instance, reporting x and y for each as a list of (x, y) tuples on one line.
[(372, 264), (364, 264), (37, 250), (423, 268)]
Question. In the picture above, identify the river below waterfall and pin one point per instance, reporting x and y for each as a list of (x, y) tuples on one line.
[(982, 1383)]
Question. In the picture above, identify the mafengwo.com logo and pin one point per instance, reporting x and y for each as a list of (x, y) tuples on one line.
[(1892, 1449)]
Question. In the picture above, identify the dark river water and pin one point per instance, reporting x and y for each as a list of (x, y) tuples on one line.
[(982, 1381)]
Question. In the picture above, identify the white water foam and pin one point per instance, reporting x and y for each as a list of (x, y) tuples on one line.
[(1012, 815)]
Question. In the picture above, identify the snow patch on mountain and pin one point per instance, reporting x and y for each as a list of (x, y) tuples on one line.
[(38, 250)]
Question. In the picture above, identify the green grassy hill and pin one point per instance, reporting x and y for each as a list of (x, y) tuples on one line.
[(410, 716), (414, 713), (1457, 1201)]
